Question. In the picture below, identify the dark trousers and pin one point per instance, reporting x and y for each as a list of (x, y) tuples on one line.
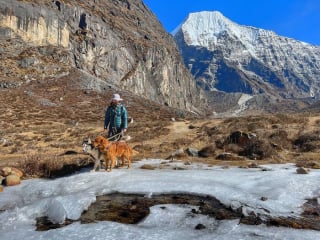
[(115, 134)]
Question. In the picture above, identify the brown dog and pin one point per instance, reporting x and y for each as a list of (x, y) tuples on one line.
[(113, 150)]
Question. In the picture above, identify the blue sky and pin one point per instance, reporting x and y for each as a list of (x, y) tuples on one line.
[(298, 19)]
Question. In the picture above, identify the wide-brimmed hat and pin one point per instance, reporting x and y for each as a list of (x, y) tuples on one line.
[(116, 97)]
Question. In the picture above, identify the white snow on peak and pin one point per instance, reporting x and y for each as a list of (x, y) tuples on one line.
[(204, 28)]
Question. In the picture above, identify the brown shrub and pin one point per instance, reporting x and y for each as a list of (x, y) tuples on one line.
[(257, 124), (257, 149), (48, 166), (166, 147), (289, 119), (238, 137), (280, 138), (32, 166), (211, 131), (220, 143), (233, 148), (208, 151), (180, 142), (308, 142)]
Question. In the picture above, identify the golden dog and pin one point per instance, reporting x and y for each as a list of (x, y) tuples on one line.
[(113, 150)]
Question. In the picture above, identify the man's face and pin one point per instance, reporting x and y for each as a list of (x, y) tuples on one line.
[(115, 102)]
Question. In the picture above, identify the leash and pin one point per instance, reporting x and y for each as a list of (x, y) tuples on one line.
[(116, 137)]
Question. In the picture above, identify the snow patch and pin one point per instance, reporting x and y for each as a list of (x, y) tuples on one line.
[(68, 197)]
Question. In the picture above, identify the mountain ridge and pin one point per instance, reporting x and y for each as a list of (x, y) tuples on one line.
[(216, 21), (225, 56), (117, 42)]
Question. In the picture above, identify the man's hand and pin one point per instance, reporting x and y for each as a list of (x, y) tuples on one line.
[(124, 130)]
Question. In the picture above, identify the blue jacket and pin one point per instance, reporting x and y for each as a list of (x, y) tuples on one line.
[(116, 116)]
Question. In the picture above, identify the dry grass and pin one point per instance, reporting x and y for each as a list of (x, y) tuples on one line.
[(35, 137)]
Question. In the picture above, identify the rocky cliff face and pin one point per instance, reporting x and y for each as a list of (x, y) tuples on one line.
[(225, 56), (117, 42)]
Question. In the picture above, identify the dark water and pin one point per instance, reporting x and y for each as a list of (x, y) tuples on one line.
[(133, 208)]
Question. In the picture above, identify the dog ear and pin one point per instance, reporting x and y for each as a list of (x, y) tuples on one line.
[(89, 140)]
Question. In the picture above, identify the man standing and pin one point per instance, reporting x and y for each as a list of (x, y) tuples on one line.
[(116, 118)]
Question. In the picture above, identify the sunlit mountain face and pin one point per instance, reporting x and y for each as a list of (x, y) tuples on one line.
[(225, 56)]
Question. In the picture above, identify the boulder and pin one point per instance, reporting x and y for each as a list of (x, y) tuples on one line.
[(315, 165), (253, 165), (177, 154), (12, 180), (17, 171), (302, 170), (148, 167), (6, 171), (208, 151), (192, 152)]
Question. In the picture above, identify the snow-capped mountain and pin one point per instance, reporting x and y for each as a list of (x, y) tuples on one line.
[(225, 56)]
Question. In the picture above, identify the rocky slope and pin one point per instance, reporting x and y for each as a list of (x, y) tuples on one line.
[(228, 57), (110, 43)]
